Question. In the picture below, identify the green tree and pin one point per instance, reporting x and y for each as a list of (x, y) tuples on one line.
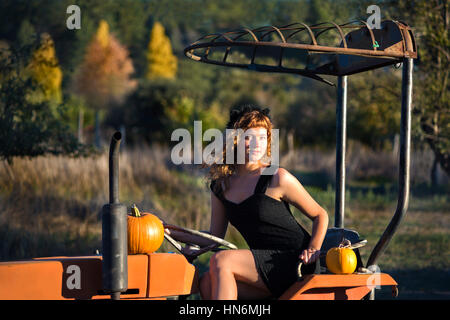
[(374, 107), (312, 116), (160, 106), (433, 97), (429, 20), (29, 127), (26, 34)]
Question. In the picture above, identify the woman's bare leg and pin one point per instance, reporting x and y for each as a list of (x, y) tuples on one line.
[(245, 291), (205, 286), (232, 272)]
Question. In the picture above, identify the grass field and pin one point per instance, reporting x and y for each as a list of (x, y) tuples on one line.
[(51, 206)]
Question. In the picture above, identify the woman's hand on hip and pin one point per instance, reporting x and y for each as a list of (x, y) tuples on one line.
[(309, 255)]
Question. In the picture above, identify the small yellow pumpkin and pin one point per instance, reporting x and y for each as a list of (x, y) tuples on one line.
[(145, 232), (342, 259)]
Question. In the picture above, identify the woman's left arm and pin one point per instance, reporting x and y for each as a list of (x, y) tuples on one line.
[(295, 194)]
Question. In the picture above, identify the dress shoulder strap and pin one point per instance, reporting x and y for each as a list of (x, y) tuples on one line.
[(217, 190), (263, 183)]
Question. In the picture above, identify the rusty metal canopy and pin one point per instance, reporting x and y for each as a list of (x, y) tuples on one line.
[(325, 48)]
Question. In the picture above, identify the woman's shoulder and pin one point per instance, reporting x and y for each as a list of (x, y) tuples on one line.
[(283, 178), (282, 174)]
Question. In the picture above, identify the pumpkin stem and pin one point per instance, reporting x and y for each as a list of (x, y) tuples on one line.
[(135, 211), (345, 243)]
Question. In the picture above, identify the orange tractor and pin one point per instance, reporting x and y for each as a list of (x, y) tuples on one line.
[(116, 274)]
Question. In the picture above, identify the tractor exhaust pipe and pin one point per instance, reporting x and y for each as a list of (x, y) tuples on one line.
[(114, 230)]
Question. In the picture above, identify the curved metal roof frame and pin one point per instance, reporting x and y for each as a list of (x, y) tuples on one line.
[(360, 48)]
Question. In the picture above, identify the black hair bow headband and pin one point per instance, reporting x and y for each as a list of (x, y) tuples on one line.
[(237, 113)]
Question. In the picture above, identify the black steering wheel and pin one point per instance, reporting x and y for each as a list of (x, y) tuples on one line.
[(181, 237)]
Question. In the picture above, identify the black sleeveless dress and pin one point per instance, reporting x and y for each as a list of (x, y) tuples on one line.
[(274, 237)]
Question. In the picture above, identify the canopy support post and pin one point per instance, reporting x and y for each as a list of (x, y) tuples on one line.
[(341, 136), (404, 162)]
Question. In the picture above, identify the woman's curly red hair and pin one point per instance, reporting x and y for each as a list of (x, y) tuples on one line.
[(244, 118)]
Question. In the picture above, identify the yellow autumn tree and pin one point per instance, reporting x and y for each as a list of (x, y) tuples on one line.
[(102, 35), (162, 63), (104, 77), (44, 69)]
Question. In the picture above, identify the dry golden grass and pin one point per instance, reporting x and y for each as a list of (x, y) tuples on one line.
[(52, 204)]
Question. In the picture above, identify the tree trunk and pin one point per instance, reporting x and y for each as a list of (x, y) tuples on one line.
[(290, 145), (97, 141), (80, 125), (441, 156), (433, 173), (290, 142)]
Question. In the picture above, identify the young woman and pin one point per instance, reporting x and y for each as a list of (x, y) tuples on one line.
[(257, 205)]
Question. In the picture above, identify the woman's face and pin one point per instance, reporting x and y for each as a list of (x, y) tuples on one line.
[(255, 143)]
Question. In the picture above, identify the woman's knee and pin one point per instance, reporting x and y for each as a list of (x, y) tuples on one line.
[(219, 262)]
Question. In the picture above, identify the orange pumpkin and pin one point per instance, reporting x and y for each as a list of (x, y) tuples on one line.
[(145, 232), (341, 260)]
